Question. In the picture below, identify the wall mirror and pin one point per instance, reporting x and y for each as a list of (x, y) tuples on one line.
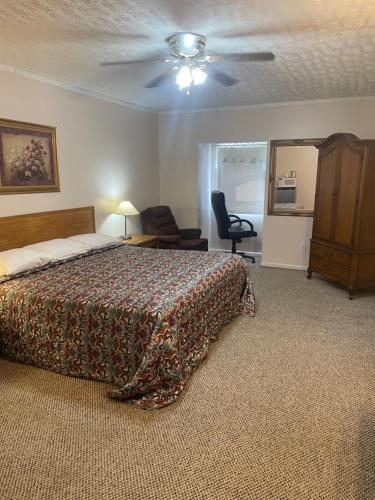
[(292, 178)]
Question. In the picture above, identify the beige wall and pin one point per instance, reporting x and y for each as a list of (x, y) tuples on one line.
[(181, 133), (106, 152), (304, 161)]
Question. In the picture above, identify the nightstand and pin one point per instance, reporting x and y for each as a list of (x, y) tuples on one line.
[(143, 240)]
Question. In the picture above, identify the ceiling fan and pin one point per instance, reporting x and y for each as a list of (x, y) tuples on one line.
[(191, 65)]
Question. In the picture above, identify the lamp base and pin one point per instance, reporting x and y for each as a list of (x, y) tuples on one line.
[(126, 237)]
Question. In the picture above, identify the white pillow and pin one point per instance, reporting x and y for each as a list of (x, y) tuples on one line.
[(94, 240), (58, 249), (19, 260)]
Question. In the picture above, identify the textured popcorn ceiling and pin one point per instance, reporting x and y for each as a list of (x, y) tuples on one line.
[(324, 49)]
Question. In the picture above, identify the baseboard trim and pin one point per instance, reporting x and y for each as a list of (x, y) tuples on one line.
[(283, 266), (252, 254)]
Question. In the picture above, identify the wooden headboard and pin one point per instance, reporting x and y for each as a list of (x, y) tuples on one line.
[(20, 230)]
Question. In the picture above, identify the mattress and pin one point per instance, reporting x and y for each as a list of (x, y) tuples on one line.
[(139, 319)]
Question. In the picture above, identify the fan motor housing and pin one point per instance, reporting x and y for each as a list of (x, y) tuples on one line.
[(187, 45)]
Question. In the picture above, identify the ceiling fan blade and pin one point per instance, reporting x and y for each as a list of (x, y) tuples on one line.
[(79, 34), (221, 77), (159, 80), (246, 57), (95, 35), (243, 34), (140, 61)]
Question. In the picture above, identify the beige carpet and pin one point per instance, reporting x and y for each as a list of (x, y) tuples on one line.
[(284, 408)]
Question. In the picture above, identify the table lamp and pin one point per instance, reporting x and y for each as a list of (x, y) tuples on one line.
[(126, 208)]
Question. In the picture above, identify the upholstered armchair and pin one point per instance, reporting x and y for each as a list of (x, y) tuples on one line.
[(160, 221)]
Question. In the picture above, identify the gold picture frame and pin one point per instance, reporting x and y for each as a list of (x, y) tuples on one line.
[(28, 158), (271, 210)]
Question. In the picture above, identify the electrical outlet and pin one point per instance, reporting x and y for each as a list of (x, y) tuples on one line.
[(302, 247)]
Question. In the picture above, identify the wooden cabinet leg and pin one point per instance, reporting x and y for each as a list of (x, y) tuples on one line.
[(351, 292), (309, 274)]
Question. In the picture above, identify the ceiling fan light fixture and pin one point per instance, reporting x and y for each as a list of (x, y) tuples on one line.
[(186, 45), (188, 76), (184, 77), (188, 40), (199, 76), (188, 57)]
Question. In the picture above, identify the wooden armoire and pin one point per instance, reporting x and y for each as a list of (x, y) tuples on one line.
[(343, 241)]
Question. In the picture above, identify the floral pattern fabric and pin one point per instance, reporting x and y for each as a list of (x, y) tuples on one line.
[(141, 319)]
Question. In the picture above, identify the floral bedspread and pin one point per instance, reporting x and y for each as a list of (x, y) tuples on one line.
[(141, 319)]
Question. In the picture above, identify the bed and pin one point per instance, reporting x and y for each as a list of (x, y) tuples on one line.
[(139, 319)]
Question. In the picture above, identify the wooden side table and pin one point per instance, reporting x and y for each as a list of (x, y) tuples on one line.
[(143, 240)]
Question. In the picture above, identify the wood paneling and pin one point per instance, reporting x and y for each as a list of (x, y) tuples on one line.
[(343, 242), (331, 254), (20, 230), (366, 227), (347, 195), (366, 271), (332, 269), (325, 194)]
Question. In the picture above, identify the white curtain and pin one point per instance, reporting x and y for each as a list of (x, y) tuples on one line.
[(241, 175)]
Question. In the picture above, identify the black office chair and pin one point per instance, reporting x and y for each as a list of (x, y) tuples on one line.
[(230, 229)]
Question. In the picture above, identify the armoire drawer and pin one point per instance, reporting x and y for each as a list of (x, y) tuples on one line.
[(330, 268), (330, 254)]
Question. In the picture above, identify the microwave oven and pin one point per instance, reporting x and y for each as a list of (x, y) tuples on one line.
[(286, 182)]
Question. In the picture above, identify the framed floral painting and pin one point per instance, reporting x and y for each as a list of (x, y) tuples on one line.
[(28, 158)]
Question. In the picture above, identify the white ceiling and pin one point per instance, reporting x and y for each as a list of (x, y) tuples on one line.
[(324, 48)]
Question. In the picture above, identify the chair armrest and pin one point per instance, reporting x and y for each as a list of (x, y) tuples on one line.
[(190, 234), (240, 221), (169, 238), (235, 216)]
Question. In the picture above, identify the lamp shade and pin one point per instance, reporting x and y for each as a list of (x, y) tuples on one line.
[(126, 208)]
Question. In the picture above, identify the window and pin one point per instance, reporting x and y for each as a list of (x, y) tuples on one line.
[(241, 176)]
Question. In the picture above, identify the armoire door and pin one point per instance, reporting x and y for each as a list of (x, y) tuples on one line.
[(325, 194), (349, 179)]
